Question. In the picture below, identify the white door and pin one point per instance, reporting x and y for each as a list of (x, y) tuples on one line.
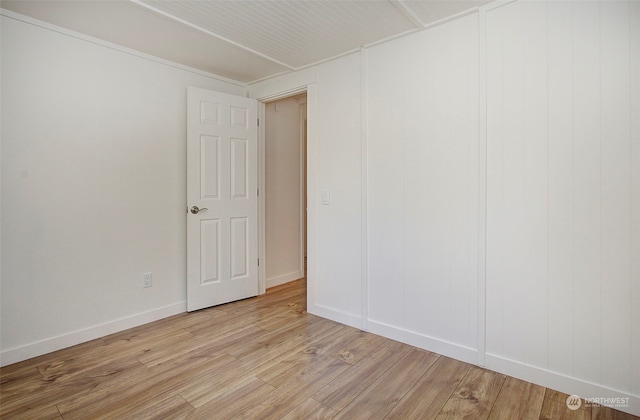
[(222, 202)]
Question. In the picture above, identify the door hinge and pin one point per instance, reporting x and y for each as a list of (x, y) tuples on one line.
[(258, 122), (258, 192), (258, 262)]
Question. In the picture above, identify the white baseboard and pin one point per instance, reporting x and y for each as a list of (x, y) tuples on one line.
[(48, 345), (562, 383), (285, 278), (445, 348), (335, 315)]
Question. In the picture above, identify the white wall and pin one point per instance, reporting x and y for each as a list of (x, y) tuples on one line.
[(501, 159), (563, 191), (283, 193), (336, 146), (334, 158), (93, 188), (422, 133)]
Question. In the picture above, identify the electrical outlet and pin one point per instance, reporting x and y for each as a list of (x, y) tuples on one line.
[(147, 280)]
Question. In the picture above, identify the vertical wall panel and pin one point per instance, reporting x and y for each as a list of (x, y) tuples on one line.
[(386, 173), (495, 212), (634, 287), (587, 173), (512, 179), (423, 188), (535, 182), (517, 163), (559, 172), (615, 195)]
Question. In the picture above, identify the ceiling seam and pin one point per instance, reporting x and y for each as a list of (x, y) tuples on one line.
[(184, 22), (408, 13)]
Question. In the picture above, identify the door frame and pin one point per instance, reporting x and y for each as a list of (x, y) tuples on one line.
[(310, 233), (302, 106)]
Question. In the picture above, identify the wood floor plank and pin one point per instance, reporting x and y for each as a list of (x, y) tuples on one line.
[(155, 330), (556, 395), (204, 318), (122, 349), (208, 381), (23, 390), (266, 339), (282, 295), (262, 360), (234, 400), (431, 392), (599, 412), (223, 325), (199, 394), (163, 407), (195, 344), (94, 364), (278, 296), (555, 407), (278, 317), (518, 399), (310, 410), (334, 344), (129, 393), (360, 348), (475, 395), (18, 379), (344, 389), (302, 337), (45, 393), (295, 381), (299, 368), (40, 412), (84, 348), (385, 392), (267, 359)]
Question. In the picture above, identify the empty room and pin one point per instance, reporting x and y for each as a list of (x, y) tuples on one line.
[(320, 209)]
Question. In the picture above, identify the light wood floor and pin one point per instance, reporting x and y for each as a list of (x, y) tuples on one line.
[(266, 358)]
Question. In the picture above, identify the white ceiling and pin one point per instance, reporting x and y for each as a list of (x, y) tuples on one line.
[(244, 40)]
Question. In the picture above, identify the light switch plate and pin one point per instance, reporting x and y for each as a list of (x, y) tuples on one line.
[(325, 198), (147, 280)]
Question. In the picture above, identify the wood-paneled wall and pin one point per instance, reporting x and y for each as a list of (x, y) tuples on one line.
[(562, 191), (422, 134)]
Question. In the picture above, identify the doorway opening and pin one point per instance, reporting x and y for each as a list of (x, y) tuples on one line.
[(285, 191)]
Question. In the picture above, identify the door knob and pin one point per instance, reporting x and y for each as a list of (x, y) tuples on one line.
[(196, 210)]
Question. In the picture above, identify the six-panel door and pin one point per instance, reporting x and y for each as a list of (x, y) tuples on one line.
[(222, 233)]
